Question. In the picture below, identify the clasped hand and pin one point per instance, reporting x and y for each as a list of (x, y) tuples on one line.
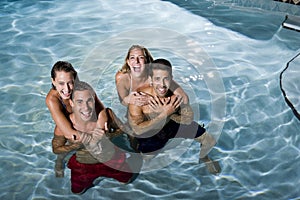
[(138, 98), (169, 105)]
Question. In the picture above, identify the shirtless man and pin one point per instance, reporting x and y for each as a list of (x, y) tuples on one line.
[(99, 157), (165, 117), (63, 77), (135, 74)]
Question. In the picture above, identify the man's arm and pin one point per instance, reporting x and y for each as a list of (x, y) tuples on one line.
[(140, 124), (185, 115), (98, 105)]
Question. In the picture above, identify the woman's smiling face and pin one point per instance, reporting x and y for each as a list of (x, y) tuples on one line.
[(136, 62), (64, 84)]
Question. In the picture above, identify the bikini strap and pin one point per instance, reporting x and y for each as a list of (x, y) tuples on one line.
[(130, 89)]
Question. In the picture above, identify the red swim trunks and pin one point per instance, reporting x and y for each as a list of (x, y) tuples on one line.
[(83, 175)]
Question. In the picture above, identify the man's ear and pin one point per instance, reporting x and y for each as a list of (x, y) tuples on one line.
[(71, 103)]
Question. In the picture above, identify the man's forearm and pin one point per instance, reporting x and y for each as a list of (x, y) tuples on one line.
[(185, 115), (143, 127)]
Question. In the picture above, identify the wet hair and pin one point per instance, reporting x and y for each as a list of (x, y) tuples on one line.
[(148, 56), (161, 64), (82, 86), (62, 66)]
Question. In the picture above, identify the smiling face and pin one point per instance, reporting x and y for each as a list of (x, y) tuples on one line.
[(136, 61), (83, 105), (161, 81), (64, 84)]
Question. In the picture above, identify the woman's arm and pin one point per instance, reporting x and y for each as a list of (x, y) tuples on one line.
[(125, 96), (123, 83), (59, 143), (61, 121), (177, 90)]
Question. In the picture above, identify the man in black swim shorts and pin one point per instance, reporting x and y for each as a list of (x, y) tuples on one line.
[(166, 116)]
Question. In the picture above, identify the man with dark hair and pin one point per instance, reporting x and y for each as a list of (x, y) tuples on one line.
[(166, 117)]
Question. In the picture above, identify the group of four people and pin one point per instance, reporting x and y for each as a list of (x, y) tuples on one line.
[(158, 110)]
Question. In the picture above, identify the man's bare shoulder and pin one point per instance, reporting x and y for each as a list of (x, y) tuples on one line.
[(146, 89)]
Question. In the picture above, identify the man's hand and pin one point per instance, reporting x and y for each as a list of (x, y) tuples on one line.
[(94, 136), (98, 133), (172, 106), (168, 105), (156, 104)]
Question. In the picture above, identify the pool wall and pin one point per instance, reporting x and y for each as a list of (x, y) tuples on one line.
[(286, 6)]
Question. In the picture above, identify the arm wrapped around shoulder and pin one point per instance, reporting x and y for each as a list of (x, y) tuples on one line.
[(185, 115), (115, 126), (61, 145)]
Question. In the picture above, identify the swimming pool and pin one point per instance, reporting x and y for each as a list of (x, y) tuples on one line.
[(241, 48)]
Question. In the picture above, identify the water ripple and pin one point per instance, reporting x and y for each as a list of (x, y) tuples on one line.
[(258, 148)]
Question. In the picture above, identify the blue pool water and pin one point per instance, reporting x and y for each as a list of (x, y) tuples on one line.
[(227, 55)]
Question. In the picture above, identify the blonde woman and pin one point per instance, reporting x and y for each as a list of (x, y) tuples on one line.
[(134, 74)]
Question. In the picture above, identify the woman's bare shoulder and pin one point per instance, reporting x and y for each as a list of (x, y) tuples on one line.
[(52, 97), (122, 79), (122, 75)]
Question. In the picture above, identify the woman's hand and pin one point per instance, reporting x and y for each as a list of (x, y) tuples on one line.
[(138, 98)]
